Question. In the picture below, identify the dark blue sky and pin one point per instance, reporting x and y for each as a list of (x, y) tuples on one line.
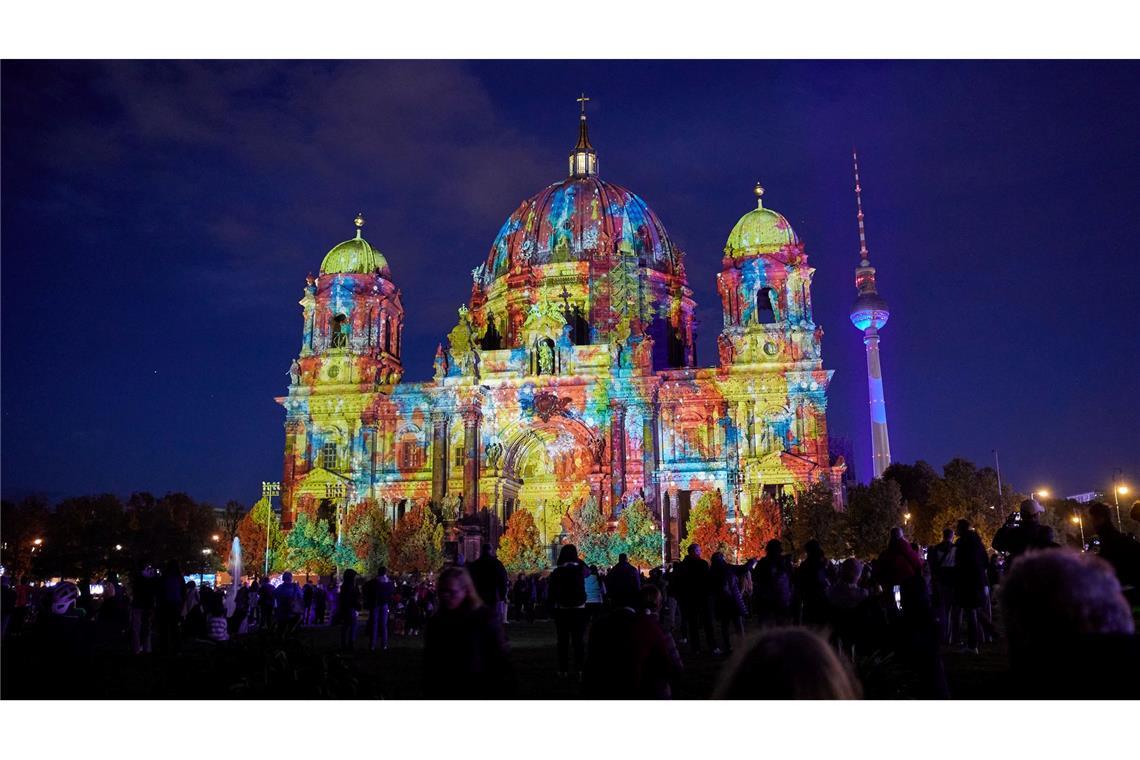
[(159, 220)]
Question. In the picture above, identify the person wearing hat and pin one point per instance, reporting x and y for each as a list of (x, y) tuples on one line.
[(1119, 550), (1016, 537)]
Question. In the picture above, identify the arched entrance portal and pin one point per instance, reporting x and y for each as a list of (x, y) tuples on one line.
[(549, 466)]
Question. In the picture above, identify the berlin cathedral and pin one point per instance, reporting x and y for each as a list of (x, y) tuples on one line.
[(571, 374)]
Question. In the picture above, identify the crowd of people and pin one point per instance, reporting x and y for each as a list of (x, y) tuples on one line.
[(785, 626)]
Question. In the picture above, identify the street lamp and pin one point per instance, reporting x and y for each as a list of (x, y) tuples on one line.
[(336, 491), (1078, 521), (268, 491), (118, 547), (38, 542), (215, 537), (1116, 491)]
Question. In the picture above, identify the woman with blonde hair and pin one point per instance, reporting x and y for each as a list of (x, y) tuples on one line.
[(465, 653)]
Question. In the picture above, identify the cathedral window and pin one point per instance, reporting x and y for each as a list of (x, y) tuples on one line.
[(765, 306), (388, 336), (492, 340), (340, 331), (328, 456)]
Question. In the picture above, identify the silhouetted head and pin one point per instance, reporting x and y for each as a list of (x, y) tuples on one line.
[(774, 548), (457, 590), (694, 550), (651, 599), (963, 527), (568, 553), (286, 577), (486, 551), (1100, 516), (947, 534), (850, 570), (787, 663), (623, 558), (813, 549), (1030, 508)]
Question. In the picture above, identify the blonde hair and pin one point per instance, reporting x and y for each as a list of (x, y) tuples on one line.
[(787, 663), (462, 578)]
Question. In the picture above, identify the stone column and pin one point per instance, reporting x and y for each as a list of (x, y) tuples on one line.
[(439, 460), (471, 418), (617, 457)]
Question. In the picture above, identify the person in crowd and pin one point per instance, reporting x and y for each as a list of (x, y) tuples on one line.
[(193, 617), (623, 583), (1022, 532), (378, 593), (811, 585), (288, 603), (307, 598), (523, 596), (465, 652), (1117, 549), (1070, 630), (970, 565), (898, 564), (491, 580), (595, 591), (628, 655), (728, 602), (7, 603), (787, 663), (846, 594), (217, 627), (320, 604), (171, 596), (266, 603), (143, 600), (696, 602), (348, 610), (772, 586), (568, 600), (940, 561)]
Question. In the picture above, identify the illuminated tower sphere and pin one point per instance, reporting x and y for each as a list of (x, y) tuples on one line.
[(869, 314)]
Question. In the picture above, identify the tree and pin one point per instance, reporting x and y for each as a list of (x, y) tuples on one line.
[(589, 531), (251, 533), (762, 523), (639, 535), (872, 510), (312, 547), (231, 518), (520, 547), (369, 534), (708, 525), (417, 542), (23, 522), (915, 482), (814, 516)]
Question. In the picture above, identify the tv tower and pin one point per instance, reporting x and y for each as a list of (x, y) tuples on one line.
[(869, 314)]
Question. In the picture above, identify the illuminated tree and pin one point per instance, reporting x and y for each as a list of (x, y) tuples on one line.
[(251, 534), (417, 542), (708, 525), (760, 525), (520, 547), (638, 535), (814, 516), (312, 547), (368, 534), (589, 531)]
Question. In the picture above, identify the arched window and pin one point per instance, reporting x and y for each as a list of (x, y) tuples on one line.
[(579, 327), (328, 456), (340, 331), (765, 306), (492, 340), (676, 347)]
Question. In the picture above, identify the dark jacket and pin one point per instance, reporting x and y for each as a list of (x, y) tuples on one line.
[(466, 656), (490, 577), (623, 582), (970, 566), (568, 586), (628, 657), (695, 581)]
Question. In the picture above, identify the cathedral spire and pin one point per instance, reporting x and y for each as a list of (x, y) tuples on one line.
[(758, 191), (359, 222), (583, 159)]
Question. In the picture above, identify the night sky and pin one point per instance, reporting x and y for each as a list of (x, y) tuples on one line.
[(159, 221)]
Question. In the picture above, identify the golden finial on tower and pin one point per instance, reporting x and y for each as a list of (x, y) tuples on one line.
[(359, 222), (758, 191)]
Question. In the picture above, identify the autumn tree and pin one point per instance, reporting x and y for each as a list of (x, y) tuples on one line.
[(520, 547), (312, 547), (762, 523), (251, 533), (708, 525), (872, 510), (639, 535), (417, 542), (589, 531), (368, 533)]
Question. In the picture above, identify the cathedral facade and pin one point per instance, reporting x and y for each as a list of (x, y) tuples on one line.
[(570, 374)]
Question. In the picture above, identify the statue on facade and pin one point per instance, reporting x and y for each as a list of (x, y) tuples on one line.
[(494, 453), (464, 356), (598, 450), (545, 358), (440, 362), (295, 372)]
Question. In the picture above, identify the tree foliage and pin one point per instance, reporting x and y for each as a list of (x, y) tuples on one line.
[(708, 525), (639, 535), (368, 533), (417, 542), (589, 531), (814, 516), (520, 547), (312, 547), (762, 523), (872, 510), (251, 532)]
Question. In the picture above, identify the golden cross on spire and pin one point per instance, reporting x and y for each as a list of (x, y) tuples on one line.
[(582, 100)]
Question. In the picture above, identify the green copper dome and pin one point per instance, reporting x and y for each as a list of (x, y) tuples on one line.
[(355, 256), (761, 231)]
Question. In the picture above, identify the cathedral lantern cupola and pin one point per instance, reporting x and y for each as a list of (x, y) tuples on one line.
[(583, 159)]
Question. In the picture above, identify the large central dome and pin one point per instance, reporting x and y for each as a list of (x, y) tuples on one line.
[(579, 218)]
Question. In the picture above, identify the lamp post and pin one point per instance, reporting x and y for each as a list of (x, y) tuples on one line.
[(1078, 521), (1116, 491), (268, 491), (336, 492)]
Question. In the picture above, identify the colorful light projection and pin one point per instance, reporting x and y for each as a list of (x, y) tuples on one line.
[(569, 375)]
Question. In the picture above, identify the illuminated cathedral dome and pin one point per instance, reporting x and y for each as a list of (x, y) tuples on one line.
[(580, 218), (759, 232), (355, 256)]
